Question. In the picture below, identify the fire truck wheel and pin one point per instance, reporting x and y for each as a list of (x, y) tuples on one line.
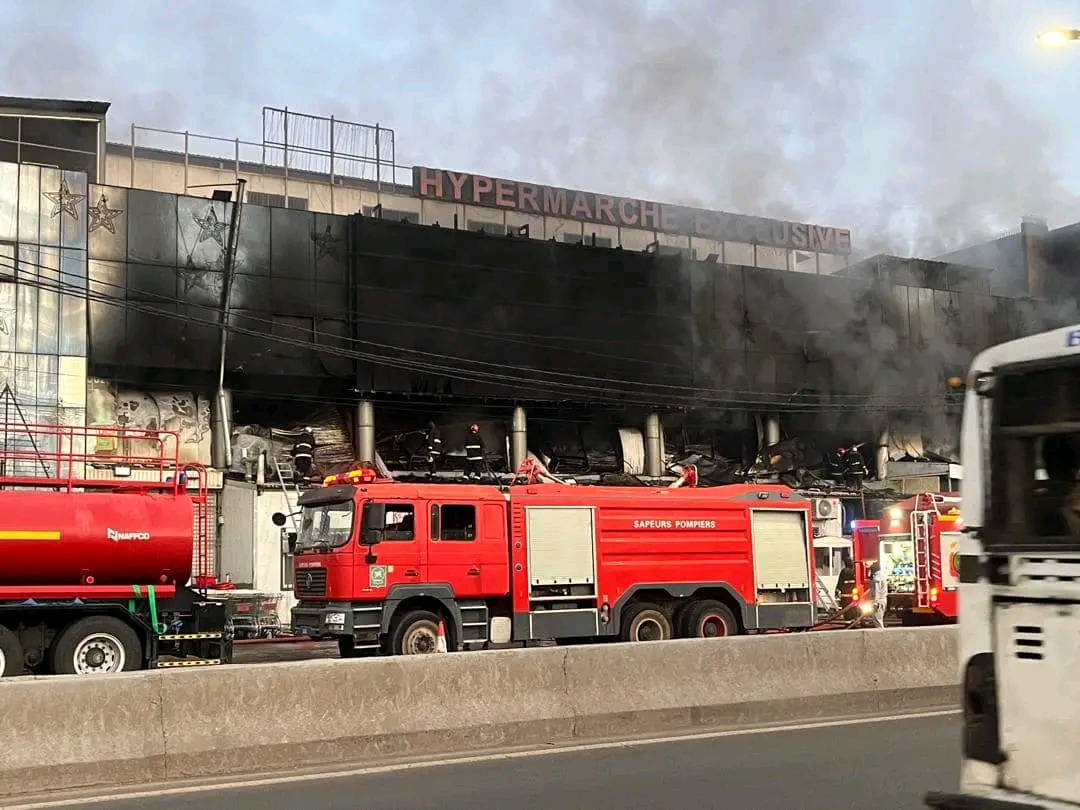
[(415, 633), (645, 621), (11, 654), (96, 645), (710, 619)]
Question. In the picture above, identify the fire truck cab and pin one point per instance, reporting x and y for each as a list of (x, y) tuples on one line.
[(379, 564), (917, 548)]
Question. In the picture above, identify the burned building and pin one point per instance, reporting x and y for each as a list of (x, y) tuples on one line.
[(614, 325)]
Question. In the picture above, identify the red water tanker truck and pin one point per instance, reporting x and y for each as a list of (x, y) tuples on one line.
[(100, 530)]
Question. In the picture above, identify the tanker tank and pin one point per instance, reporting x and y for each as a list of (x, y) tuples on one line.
[(62, 538)]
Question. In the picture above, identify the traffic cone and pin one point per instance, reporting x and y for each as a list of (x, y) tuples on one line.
[(440, 638)]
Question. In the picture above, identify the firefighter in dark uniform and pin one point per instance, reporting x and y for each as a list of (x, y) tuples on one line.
[(845, 583), (303, 453), (474, 453), (434, 446)]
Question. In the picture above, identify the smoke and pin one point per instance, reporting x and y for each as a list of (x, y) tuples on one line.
[(894, 121)]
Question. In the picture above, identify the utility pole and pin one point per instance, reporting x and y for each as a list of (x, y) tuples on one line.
[(223, 403)]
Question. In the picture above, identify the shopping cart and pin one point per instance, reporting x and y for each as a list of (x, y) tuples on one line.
[(267, 620), (245, 615)]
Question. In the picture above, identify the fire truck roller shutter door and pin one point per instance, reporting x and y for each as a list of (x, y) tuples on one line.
[(562, 566), (781, 563), (562, 545)]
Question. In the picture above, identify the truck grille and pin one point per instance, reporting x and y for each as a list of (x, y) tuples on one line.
[(310, 582)]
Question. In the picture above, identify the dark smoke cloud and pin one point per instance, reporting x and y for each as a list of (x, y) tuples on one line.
[(893, 120)]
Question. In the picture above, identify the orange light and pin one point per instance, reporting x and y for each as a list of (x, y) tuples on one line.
[(933, 594)]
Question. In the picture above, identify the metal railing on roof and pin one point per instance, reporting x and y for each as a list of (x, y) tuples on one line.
[(240, 158)]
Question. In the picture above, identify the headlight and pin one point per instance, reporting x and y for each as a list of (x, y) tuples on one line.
[(335, 618), (867, 608)]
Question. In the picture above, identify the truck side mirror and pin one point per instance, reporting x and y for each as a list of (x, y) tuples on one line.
[(288, 542), (278, 518), (373, 522)]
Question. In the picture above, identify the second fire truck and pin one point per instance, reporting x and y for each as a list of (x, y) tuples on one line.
[(916, 543), (381, 565)]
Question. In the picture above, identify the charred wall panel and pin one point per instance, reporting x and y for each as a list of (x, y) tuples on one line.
[(157, 263), (415, 309), (585, 319)]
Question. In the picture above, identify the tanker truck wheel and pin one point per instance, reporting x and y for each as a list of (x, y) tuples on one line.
[(11, 654), (96, 645)]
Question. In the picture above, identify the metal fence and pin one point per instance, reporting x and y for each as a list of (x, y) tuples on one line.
[(302, 146)]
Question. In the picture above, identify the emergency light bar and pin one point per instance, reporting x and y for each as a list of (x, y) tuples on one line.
[(353, 477)]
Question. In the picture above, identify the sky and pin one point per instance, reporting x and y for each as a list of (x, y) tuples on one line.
[(922, 125)]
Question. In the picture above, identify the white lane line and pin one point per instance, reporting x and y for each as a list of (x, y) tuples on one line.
[(207, 786)]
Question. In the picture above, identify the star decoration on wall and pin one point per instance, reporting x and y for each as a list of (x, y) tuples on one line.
[(210, 227), (325, 243), (101, 216), (64, 200), (194, 278)]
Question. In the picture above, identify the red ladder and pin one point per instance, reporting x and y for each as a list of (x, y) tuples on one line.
[(922, 530)]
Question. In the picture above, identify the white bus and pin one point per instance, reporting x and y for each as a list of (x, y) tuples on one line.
[(1019, 568)]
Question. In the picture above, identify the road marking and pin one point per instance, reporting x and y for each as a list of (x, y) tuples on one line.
[(206, 786)]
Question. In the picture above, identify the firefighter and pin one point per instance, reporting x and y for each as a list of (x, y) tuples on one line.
[(434, 446), (845, 583), (474, 452), (303, 453), (880, 591)]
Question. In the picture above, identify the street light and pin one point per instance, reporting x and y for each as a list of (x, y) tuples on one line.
[(1056, 37)]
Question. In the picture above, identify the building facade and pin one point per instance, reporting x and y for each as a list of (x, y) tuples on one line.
[(309, 174)]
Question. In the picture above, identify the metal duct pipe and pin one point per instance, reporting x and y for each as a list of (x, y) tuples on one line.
[(881, 467), (654, 446), (518, 438), (772, 429), (221, 429), (365, 432)]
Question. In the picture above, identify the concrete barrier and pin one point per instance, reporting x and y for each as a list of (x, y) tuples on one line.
[(67, 732)]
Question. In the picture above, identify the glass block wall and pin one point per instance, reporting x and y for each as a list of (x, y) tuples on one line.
[(43, 301)]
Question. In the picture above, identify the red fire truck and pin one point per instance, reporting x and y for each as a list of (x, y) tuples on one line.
[(916, 543), (380, 564), (99, 530)]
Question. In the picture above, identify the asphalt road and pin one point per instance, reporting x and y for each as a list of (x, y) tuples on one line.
[(885, 765)]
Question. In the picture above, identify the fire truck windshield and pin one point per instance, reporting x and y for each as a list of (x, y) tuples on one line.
[(326, 526), (1035, 453)]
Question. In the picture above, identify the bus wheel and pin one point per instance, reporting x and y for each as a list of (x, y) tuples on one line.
[(415, 633), (645, 622), (710, 619), (11, 654), (96, 645)]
